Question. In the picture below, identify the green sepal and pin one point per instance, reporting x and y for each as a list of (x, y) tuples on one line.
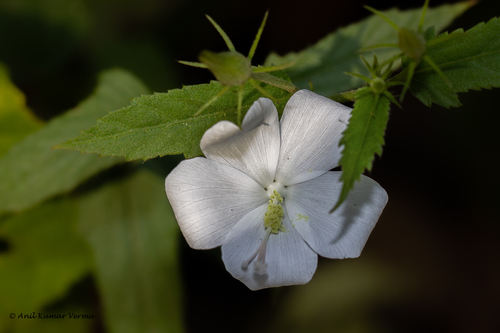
[(257, 37), (229, 68), (223, 34), (412, 43), (193, 64)]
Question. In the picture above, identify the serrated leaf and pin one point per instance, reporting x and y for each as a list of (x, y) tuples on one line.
[(133, 234), (16, 120), (470, 60), (363, 138), (325, 62), (31, 171), (163, 123), (45, 256)]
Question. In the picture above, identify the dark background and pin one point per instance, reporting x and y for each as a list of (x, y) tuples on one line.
[(431, 264)]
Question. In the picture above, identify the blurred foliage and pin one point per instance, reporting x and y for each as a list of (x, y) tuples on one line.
[(133, 234), (46, 256), (31, 171), (47, 44), (16, 120), (41, 253), (71, 14), (342, 300)]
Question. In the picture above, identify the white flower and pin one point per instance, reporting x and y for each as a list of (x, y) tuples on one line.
[(264, 193)]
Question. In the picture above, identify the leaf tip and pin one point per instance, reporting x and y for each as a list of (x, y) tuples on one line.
[(61, 146), (335, 207)]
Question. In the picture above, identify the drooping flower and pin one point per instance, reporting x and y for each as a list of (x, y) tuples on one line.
[(264, 193)]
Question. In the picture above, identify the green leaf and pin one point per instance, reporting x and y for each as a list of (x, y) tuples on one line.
[(16, 120), (363, 138), (133, 234), (163, 123), (31, 171), (470, 60), (45, 256), (325, 62)]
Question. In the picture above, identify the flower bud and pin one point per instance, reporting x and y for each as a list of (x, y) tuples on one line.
[(412, 43), (378, 85), (229, 68)]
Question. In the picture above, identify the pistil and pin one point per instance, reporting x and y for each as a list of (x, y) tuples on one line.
[(273, 224), (260, 265)]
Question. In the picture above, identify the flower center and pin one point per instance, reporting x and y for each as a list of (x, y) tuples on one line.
[(276, 186), (274, 215), (273, 223)]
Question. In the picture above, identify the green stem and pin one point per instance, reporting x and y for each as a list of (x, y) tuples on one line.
[(240, 100), (345, 97), (400, 76), (211, 100), (275, 81), (411, 70), (256, 85)]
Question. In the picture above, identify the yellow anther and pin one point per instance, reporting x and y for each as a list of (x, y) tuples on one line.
[(274, 215)]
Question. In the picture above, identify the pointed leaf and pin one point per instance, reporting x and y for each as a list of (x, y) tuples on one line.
[(363, 138), (133, 234), (470, 60), (325, 62), (163, 123), (32, 171)]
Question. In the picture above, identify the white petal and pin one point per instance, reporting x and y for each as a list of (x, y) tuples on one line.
[(289, 259), (255, 150), (209, 198), (311, 128), (344, 233)]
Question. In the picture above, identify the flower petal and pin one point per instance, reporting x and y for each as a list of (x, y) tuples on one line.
[(311, 128), (255, 150), (343, 233), (209, 198), (289, 259)]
